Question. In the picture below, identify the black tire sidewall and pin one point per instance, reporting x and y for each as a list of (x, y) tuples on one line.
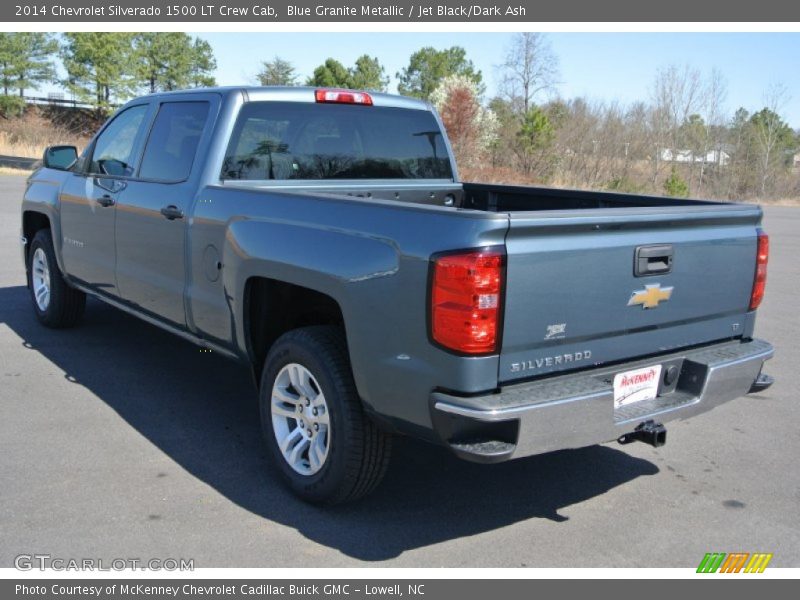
[(44, 240), (297, 348)]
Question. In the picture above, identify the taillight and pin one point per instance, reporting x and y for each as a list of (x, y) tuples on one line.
[(343, 97), (466, 300), (760, 280)]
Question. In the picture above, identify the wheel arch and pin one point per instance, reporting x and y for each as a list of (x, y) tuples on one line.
[(273, 307), (33, 222)]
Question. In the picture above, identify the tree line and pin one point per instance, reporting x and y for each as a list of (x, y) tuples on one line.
[(102, 68), (679, 141)]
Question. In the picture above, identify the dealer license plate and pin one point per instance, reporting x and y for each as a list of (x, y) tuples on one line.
[(637, 385)]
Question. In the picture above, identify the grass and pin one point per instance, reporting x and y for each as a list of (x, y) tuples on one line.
[(29, 135), (32, 144)]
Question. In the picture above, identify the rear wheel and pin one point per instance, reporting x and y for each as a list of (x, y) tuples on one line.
[(314, 424), (55, 303)]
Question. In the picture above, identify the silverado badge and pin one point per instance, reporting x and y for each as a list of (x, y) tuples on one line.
[(650, 296)]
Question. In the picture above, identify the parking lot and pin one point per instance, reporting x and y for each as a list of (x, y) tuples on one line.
[(118, 440)]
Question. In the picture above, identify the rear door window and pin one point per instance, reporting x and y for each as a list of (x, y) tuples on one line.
[(172, 144), (284, 141)]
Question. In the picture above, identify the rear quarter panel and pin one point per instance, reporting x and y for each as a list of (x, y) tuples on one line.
[(370, 256)]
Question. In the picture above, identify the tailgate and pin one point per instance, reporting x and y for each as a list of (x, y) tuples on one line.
[(574, 297)]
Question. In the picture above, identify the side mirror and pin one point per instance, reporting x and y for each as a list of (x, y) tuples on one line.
[(60, 157)]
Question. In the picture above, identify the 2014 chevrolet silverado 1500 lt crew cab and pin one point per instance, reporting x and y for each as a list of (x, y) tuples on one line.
[(323, 237)]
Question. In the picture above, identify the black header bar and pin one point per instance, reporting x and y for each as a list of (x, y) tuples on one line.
[(343, 11)]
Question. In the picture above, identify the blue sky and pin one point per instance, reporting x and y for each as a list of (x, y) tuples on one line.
[(603, 66)]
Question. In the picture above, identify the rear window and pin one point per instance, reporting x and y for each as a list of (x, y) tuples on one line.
[(285, 140)]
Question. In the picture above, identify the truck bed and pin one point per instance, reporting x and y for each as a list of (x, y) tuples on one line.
[(506, 198), (572, 273), (479, 196)]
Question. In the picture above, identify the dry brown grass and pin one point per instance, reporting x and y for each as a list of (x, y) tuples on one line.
[(29, 135), (499, 175)]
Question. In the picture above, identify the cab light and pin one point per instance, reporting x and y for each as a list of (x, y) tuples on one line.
[(343, 97)]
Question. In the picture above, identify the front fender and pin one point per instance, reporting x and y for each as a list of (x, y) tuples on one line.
[(42, 196)]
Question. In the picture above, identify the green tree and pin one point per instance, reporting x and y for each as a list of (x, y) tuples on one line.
[(534, 141), (203, 65), (277, 72), (331, 73), (26, 60), (6, 55), (99, 67), (767, 122), (773, 141), (537, 131), (368, 74), (741, 168), (507, 126), (172, 61), (11, 106), (161, 59), (428, 66), (5, 61), (6, 58), (693, 131), (675, 185)]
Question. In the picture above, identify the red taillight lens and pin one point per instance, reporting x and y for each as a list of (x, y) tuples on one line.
[(343, 97), (466, 299), (760, 280)]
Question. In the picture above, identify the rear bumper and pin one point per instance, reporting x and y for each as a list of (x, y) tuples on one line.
[(576, 410)]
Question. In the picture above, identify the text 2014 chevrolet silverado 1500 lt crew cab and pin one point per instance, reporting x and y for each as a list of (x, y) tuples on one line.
[(323, 237)]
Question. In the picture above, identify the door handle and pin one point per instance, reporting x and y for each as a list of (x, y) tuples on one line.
[(105, 200), (653, 260), (172, 212)]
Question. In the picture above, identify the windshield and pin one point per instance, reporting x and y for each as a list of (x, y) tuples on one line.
[(286, 140)]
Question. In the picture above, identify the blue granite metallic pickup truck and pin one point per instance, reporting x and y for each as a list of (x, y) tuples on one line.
[(323, 238)]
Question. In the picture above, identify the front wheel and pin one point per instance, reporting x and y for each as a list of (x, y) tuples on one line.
[(314, 424), (55, 303)]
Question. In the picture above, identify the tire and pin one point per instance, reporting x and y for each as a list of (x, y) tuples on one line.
[(356, 452), (58, 305)]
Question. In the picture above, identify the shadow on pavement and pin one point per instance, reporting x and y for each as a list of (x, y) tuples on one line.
[(200, 409)]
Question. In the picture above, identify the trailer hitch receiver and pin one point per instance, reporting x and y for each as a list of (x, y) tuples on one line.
[(648, 432)]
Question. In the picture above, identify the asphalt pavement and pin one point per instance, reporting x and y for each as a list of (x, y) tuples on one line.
[(118, 440)]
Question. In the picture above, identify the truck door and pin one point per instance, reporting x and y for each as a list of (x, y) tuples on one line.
[(90, 196), (152, 211)]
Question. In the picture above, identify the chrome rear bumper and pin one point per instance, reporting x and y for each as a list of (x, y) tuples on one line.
[(576, 410)]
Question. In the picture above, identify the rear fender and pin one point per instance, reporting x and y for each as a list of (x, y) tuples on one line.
[(341, 265)]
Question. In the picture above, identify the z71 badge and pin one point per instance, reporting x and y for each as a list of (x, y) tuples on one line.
[(556, 331)]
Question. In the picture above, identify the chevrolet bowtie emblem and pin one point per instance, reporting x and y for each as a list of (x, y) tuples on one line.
[(650, 296)]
